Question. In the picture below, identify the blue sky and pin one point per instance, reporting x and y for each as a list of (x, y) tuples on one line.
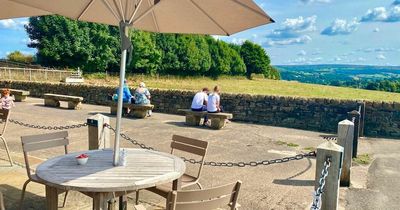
[(305, 32)]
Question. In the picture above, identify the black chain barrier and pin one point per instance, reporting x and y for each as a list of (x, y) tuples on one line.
[(43, 127), (133, 141), (193, 161), (224, 164), (330, 138), (316, 205)]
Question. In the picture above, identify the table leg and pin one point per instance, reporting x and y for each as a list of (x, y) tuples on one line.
[(51, 198), (123, 202), (176, 184), (100, 201)]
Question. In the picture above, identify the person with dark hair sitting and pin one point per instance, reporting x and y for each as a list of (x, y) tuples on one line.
[(199, 102)]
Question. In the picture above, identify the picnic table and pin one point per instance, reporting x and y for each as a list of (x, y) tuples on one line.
[(102, 181)]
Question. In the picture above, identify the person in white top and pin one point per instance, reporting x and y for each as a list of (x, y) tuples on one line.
[(199, 102), (214, 105)]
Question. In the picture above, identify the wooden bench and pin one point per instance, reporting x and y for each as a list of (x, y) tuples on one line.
[(136, 110), (217, 120), (19, 95), (53, 100)]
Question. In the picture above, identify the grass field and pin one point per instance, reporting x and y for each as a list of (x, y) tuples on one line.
[(258, 86)]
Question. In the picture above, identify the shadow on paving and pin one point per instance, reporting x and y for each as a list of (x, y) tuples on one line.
[(295, 182), (12, 198)]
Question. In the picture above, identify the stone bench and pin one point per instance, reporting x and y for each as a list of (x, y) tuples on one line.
[(217, 120), (136, 110), (19, 95), (53, 100)]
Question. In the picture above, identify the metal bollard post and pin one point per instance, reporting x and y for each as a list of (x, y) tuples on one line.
[(356, 115), (362, 118), (330, 197), (99, 136), (345, 139)]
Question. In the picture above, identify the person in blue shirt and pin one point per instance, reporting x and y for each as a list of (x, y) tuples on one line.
[(126, 94)]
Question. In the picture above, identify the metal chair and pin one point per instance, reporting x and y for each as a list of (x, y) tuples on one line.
[(4, 116), (188, 145), (226, 195), (40, 142)]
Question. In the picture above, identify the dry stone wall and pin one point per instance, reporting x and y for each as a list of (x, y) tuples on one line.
[(382, 118)]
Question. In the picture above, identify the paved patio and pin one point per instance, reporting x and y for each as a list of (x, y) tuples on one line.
[(280, 186)]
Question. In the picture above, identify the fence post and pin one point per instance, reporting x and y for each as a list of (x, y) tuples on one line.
[(330, 197), (99, 136), (356, 115), (9, 74), (345, 139), (30, 74)]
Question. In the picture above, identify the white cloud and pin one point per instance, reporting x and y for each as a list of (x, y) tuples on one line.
[(381, 57), (377, 30), (293, 27), (302, 53), (341, 27), (292, 31), (217, 37), (337, 58), (379, 49), (304, 60), (238, 41), (300, 40), (15, 24), (382, 14)]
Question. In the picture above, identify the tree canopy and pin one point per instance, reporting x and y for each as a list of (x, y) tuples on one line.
[(17, 56), (62, 42)]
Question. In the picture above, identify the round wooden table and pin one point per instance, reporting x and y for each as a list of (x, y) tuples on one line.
[(102, 181)]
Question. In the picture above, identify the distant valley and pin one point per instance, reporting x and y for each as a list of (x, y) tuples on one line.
[(338, 75)]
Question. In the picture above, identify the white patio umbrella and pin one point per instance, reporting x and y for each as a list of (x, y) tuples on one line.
[(216, 17)]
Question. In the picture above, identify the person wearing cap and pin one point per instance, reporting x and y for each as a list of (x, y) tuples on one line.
[(142, 96)]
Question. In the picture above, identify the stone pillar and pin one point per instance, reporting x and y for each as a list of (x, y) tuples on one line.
[(330, 197), (345, 139), (99, 136)]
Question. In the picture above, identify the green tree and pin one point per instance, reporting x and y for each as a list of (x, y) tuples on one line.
[(255, 58), (62, 42), (225, 60), (170, 63), (17, 56), (273, 73), (146, 56), (193, 53)]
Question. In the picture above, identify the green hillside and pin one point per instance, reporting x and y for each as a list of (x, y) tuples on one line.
[(258, 86)]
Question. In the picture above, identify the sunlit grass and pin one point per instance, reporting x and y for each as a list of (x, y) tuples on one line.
[(363, 159), (258, 86)]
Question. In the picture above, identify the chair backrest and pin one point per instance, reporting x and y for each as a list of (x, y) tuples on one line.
[(43, 141), (192, 146), (205, 199), (2, 207), (4, 115)]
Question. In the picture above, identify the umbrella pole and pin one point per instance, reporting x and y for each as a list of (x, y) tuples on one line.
[(120, 96)]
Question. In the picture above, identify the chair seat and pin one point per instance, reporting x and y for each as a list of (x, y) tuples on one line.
[(164, 189), (35, 178)]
